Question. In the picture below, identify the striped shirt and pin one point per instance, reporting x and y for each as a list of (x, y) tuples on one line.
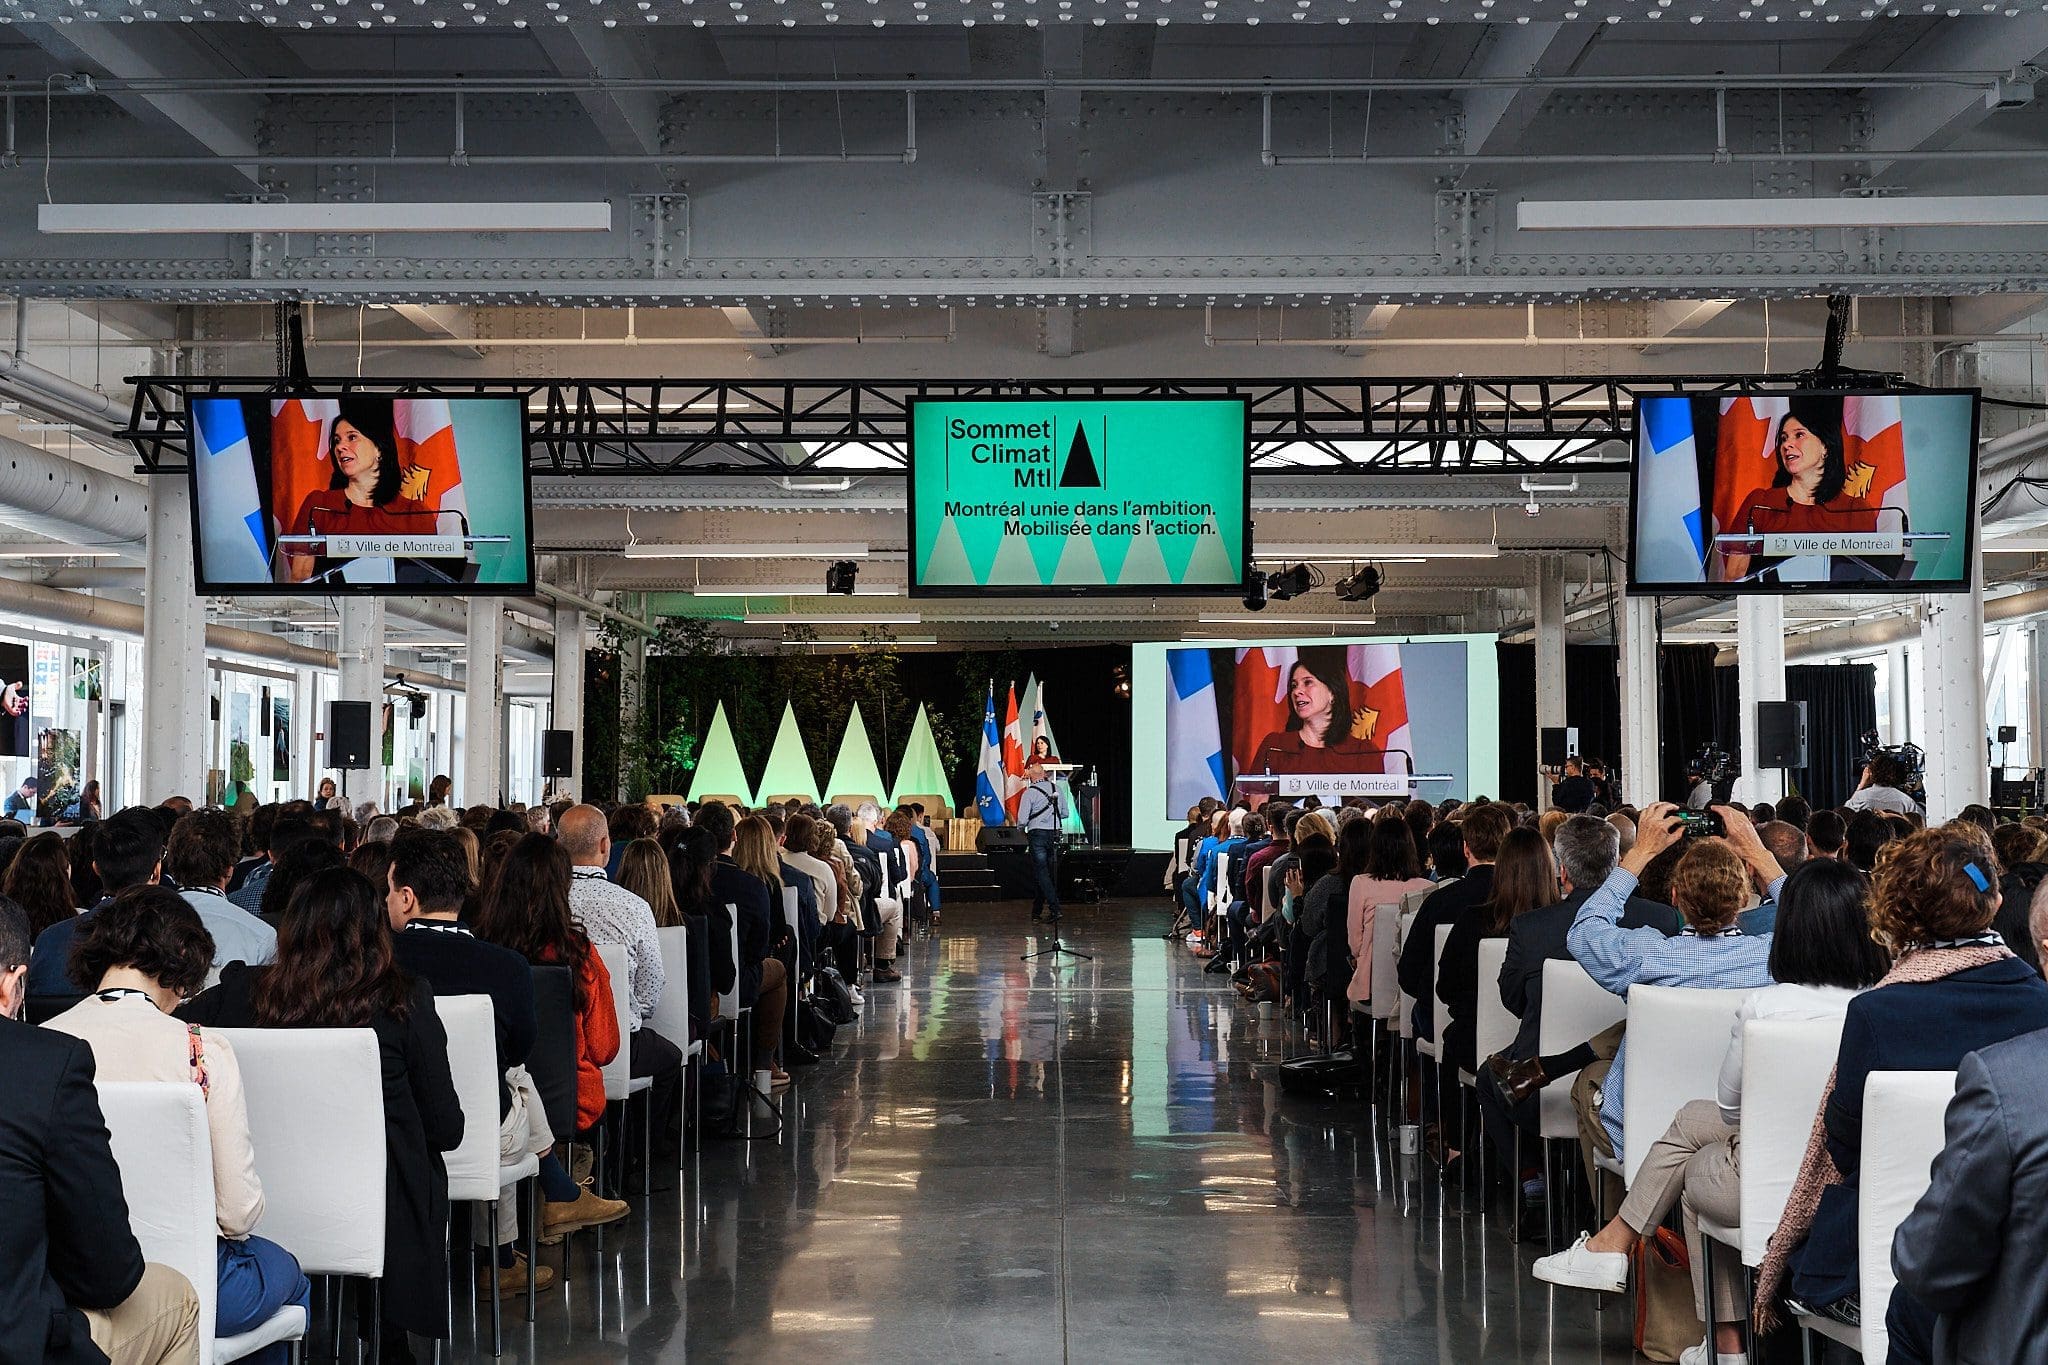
[(1618, 958)]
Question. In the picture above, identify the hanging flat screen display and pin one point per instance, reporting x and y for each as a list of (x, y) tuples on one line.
[(1787, 492), (359, 492), (1019, 497)]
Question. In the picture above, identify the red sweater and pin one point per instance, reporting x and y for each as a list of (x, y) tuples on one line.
[(597, 1041)]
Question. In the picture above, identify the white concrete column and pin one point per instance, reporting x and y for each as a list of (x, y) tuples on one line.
[(567, 693), (1952, 666), (483, 703), (2037, 693), (1898, 692), (360, 657), (306, 761), (1760, 650), (1549, 604), (1642, 747), (175, 706), (632, 683)]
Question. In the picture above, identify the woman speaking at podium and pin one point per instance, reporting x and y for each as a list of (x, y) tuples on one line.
[(365, 497), (1809, 489), (1323, 733)]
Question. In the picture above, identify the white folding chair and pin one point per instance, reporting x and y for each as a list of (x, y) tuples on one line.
[(1575, 1008), (316, 1119), (790, 911), (672, 1012), (1908, 1109), (729, 1006), (161, 1143), (620, 1084), (1677, 1038), (474, 1175)]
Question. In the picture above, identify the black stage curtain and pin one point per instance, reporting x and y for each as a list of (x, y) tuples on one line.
[(1841, 706), (1591, 701), (1691, 715)]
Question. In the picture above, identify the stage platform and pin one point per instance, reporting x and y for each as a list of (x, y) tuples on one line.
[(1087, 872)]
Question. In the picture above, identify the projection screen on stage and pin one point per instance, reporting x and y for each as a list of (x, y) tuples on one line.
[(1213, 718)]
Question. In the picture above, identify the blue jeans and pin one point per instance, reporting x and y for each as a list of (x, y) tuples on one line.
[(257, 1277), (1045, 866)]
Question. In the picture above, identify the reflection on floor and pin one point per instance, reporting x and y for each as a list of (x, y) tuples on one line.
[(1064, 1159)]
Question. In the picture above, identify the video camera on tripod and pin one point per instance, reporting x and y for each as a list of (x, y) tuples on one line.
[(1910, 760), (1717, 768)]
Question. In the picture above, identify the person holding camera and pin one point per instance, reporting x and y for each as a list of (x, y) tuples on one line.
[(1883, 786)]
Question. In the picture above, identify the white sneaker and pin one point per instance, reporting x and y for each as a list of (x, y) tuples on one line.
[(1578, 1268), (1700, 1355)]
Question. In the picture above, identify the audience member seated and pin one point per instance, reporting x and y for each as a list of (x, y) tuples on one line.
[(1392, 869), (335, 969), (129, 852), (880, 912), (1827, 833), (1314, 862), (1969, 1256), (609, 913), (750, 859), (74, 1289), (200, 858), (427, 884), (791, 878), (1482, 829), (1954, 989), (299, 861), (39, 881), (1881, 788), (1865, 833), (1788, 847), (141, 956), (1586, 850), (525, 912), (1524, 880), (711, 967), (1821, 957), (1710, 886)]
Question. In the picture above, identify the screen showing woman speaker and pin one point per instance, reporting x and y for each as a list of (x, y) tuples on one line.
[(361, 492), (1778, 492)]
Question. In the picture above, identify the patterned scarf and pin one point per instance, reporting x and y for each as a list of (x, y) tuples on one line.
[(1817, 1171)]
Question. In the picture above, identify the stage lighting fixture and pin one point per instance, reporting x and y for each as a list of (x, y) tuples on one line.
[(839, 577), (1255, 591), (1289, 584), (1360, 586)]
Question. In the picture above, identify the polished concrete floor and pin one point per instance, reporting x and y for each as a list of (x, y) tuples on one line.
[(1059, 1160)]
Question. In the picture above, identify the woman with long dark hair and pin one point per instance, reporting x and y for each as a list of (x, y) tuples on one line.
[(1392, 868), (1321, 734), (1524, 879), (39, 881), (526, 908), (709, 941), (335, 969)]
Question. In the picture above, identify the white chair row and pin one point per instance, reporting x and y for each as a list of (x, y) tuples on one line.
[(474, 1173)]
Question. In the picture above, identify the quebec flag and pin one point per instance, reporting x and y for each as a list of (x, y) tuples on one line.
[(234, 540), (1671, 541), (989, 776), (1194, 742)]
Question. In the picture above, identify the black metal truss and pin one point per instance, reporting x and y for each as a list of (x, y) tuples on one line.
[(828, 427)]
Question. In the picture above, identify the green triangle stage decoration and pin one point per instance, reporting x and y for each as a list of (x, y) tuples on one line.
[(789, 768), (922, 773), (719, 771), (1013, 563), (948, 563), (1209, 563), (1143, 562), (1080, 561), (854, 771)]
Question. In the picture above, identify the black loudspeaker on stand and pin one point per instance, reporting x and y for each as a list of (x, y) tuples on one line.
[(1781, 734), (348, 735), (1557, 743), (558, 753)]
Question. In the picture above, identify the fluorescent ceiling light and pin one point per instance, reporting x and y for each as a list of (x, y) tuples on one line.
[(857, 644), (1636, 215), (1340, 554), (59, 552), (894, 618), (427, 644), (530, 216), (1262, 619), (788, 590), (739, 551)]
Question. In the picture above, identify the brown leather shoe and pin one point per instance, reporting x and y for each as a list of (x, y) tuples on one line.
[(1518, 1080), (512, 1279), (586, 1210)]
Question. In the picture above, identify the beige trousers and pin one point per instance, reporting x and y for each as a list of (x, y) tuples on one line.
[(156, 1325), (1696, 1164)]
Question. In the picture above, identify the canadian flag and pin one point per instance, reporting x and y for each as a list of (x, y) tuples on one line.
[(1013, 757), (299, 457), (1379, 704), (1874, 449), (426, 452), (1745, 449)]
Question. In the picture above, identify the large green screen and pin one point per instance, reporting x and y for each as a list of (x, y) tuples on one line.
[(1020, 496)]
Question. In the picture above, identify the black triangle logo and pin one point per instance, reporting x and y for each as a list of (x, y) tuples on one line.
[(1080, 471)]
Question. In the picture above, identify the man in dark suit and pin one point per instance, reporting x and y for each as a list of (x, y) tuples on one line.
[(1586, 850), (73, 1285), (129, 852), (1483, 829), (1969, 1255)]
